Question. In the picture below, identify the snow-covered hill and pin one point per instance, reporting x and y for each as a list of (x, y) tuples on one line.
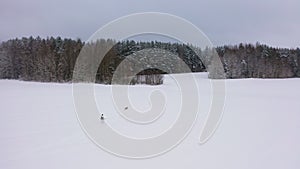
[(260, 127)]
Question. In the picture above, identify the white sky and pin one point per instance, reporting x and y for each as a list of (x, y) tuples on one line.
[(272, 22)]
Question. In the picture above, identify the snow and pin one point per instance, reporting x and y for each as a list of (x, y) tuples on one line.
[(259, 129)]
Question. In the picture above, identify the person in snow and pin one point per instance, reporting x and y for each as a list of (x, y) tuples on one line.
[(102, 117)]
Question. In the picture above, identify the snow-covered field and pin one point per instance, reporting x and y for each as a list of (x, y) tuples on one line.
[(259, 129)]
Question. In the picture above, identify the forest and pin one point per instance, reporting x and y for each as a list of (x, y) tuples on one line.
[(53, 60)]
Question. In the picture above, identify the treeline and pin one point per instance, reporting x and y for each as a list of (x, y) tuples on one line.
[(53, 60), (259, 61), (36, 59)]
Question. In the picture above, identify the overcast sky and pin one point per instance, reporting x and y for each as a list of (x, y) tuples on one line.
[(272, 22)]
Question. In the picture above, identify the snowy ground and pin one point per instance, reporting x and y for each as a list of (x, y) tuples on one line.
[(259, 130)]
